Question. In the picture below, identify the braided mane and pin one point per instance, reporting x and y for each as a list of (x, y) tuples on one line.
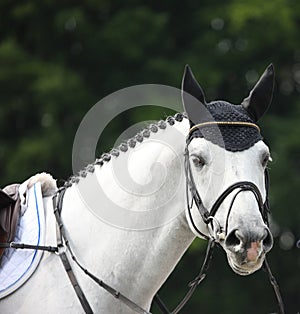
[(123, 147)]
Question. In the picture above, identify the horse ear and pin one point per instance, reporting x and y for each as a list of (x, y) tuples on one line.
[(191, 86), (260, 97), (192, 94)]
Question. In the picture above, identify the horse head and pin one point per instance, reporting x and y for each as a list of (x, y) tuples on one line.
[(226, 169)]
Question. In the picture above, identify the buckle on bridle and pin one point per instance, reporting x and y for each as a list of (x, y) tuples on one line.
[(215, 230)]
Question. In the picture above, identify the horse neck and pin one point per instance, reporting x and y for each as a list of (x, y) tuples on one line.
[(133, 208)]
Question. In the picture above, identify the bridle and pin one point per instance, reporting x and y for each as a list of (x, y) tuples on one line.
[(208, 217), (217, 234)]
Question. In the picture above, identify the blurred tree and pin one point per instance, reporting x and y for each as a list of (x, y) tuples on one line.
[(57, 59)]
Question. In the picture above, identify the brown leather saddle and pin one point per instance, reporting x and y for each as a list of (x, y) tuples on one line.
[(9, 213)]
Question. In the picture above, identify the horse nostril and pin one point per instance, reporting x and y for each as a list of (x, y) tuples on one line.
[(267, 240), (237, 238), (233, 239)]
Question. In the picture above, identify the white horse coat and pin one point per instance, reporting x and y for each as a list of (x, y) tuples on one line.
[(127, 224)]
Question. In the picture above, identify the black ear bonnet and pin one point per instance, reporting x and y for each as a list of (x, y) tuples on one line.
[(232, 137), (232, 127)]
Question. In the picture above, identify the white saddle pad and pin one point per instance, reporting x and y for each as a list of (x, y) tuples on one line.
[(17, 265)]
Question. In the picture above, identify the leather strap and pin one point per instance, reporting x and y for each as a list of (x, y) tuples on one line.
[(15, 245), (193, 284), (57, 205), (264, 208), (62, 242), (274, 283)]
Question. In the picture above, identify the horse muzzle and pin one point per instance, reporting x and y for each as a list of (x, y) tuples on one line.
[(246, 250)]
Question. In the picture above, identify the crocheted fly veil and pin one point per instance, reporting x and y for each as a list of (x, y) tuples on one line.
[(232, 127)]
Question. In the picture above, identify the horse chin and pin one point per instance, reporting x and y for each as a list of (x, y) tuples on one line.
[(244, 269)]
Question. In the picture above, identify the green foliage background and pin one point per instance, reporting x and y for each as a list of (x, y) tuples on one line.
[(58, 58)]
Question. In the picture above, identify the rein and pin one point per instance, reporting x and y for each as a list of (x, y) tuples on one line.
[(208, 218), (62, 243)]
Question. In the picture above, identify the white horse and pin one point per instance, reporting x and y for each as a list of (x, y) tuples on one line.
[(134, 242)]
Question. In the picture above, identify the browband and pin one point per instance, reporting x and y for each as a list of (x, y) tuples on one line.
[(232, 123)]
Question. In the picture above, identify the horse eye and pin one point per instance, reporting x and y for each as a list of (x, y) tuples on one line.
[(198, 161), (265, 160)]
